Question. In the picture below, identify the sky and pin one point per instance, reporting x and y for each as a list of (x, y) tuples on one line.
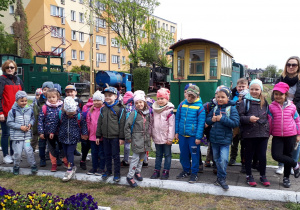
[(257, 33)]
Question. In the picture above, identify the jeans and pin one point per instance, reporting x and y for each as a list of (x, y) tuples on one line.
[(221, 154), (98, 157), (163, 150), (295, 153), (69, 152), (85, 147), (4, 139), (188, 148), (112, 152)]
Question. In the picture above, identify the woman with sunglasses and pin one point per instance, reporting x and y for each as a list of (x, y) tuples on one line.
[(291, 76), (10, 84)]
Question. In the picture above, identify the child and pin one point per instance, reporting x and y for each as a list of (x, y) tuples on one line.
[(242, 84), (98, 158), (111, 127), (128, 101), (255, 130), (223, 118), (35, 134), (136, 130), (20, 119), (47, 125), (189, 126), (163, 132), (283, 112), (72, 128)]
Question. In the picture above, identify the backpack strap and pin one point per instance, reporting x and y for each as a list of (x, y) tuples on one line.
[(199, 112), (78, 119), (44, 109), (59, 114), (228, 110), (120, 114), (134, 118), (14, 114), (215, 108), (169, 115), (246, 105)]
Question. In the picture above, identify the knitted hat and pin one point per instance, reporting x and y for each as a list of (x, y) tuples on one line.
[(139, 95), (127, 96), (139, 92), (257, 81), (48, 84), (219, 87), (57, 87), (244, 92), (70, 87), (194, 90), (70, 104), (281, 87), (98, 96), (111, 90), (226, 90), (39, 91), (188, 85), (20, 94), (163, 93)]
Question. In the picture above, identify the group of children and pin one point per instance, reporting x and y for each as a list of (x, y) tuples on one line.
[(105, 123)]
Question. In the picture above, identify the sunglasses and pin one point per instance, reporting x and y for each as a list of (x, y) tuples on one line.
[(10, 67), (291, 64)]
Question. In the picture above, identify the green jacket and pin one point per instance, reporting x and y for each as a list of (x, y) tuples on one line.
[(36, 111), (109, 125), (140, 135)]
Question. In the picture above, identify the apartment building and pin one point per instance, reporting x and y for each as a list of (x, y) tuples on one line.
[(71, 21)]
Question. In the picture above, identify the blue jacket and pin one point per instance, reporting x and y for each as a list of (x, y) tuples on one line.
[(190, 119), (46, 123), (221, 131)]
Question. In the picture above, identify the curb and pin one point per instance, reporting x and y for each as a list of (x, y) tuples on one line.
[(234, 191)]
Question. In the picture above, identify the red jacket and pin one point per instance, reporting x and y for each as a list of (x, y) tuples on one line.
[(9, 86)]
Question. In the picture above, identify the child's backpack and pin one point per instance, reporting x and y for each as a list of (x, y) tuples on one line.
[(120, 113), (227, 110), (134, 118), (78, 117)]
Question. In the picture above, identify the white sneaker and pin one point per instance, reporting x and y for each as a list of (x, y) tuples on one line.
[(69, 175), (279, 170), (292, 171), (0, 148), (88, 158), (8, 159)]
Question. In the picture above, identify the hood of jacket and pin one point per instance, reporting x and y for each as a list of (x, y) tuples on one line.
[(90, 102), (159, 109)]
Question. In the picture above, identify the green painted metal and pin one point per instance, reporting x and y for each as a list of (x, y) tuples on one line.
[(225, 80)]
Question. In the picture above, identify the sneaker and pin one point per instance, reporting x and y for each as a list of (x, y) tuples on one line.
[(165, 174), (207, 164), (59, 162), (68, 175), (83, 165), (99, 172), (200, 168), (231, 162), (43, 163), (131, 182), (250, 181), (8, 159), (243, 170), (222, 183), (156, 174), (91, 172), (74, 168), (54, 168), (286, 182), (279, 170), (292, 171), (88, 158), (182, 175), (34, 169), (297, 171), (76, 153), (193, 178), (145, 165), (116, 178), (264, 181), (16, 170), (124, 163), (65, 165), (106, 175), (138, 176)]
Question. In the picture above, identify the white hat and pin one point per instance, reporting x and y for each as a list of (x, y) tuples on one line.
[(98, 96), (70, 104)]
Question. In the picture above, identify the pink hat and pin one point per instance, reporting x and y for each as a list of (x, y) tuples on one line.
[(281, 87), (128, 95), (163, 93)]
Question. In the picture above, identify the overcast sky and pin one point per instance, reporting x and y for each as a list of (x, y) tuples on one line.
[(257, 32)]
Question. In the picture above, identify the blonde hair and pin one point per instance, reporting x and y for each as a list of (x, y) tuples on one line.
[(242, 81), (284, 73)]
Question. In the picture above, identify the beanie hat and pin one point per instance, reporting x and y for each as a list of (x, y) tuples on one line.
[(139, 95), (244, 92), (219, 87), (48, 84), (70, 87), (128, 95), (70, 104), (38, 91), (111, 90), (281, 87), (188, 85), (226, 90), (194, 90), (57, 87), (20, 94), (163, 93), (98, 96), (257, 81), (139, 92)]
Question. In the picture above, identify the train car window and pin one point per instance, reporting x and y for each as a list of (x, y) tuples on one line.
[(19, 71), (197, 61), (213, 63), (226, 62), (31, 69), (180, 65)]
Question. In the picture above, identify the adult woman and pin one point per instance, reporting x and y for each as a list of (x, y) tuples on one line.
[(10, 84), (291, 76)]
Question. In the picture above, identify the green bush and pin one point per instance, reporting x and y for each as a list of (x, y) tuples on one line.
[(141, 77)]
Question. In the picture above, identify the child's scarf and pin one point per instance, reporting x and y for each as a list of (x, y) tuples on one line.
[(249, 97), (111, 106)]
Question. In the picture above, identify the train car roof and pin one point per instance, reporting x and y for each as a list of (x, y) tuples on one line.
[(193, 40)]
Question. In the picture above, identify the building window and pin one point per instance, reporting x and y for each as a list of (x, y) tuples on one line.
[(61, 52), (73, 0), (115, 59), (101, 40), (143, 34), (56, 11), (163, 25), (58, 32), (81, 17), (99, 5), (167, 27), (123, 60), (11, 9), (81, 36), (100, 58), (114, 43), (172, 29), (73, 33), (12, 30), (74, 55), (62, 1), (80, 1), (73, 15), (81, 55), (158, 24), (100, 23)]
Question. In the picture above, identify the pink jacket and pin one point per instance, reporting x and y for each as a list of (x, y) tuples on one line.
[(163, 123), (92, 120), (284, 120)]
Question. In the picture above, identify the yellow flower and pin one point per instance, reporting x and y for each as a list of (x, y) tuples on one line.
[(57, 207), (30, 197), (8, 197), (50, 201), (62, 205), (27, 206), (43, 195), (59, 203), (5, 200), (15, 201)]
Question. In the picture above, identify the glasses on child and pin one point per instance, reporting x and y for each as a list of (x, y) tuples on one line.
[(10, 67), (291, 64)]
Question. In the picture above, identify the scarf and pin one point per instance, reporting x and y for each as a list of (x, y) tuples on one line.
[(249, 97), (111, 106), (290, 81), (57, 104)]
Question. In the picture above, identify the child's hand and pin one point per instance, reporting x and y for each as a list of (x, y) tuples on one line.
[(298, 138), (42, 136), (128, 141), (51, 136), (219, 116), (214, 118), (197, 141), (84, 137), (121, 142), (176, 136), (24, 128), (169, 142), (29, 126), (253, 119), (205, 125), (97, 141)]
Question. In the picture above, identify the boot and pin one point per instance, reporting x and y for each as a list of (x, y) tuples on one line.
[(156, 174)]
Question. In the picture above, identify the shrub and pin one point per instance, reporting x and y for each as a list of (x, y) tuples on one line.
[(141, 77)]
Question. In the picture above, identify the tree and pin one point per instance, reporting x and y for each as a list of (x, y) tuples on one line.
[(7, 42), (127, 19), (4, 5), (271, 71)]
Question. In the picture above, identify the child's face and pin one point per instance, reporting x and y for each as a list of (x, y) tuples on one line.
[(97, 103), (37, 97), (45, 89), (22, 102), (279, 97), (110, 97), (162, 101), (222, 98), (52, 98), (71, 93), (185, 95), (191, 98), (255, 91), (139, 105), (241, 86)]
